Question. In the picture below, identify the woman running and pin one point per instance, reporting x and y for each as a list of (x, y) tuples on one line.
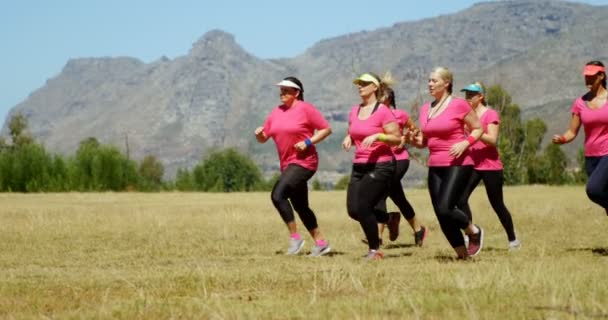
[(296, 126), (442, 124), (402, 163), (486, 161), (591, 111), (372, 127)]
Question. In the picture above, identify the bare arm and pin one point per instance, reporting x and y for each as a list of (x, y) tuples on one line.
[(260, 135), (571, 133), (316, 138), (472, 122), (491, 137), (390, 136)]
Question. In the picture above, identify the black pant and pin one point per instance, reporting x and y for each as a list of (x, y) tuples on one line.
[(369, 183), (446, 186), (292, 186), (493, 181), (396, 193), (597, 182)]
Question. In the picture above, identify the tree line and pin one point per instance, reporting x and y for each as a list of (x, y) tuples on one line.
[(26, 166)]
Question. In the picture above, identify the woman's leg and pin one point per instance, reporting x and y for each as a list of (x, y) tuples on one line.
[(463, 203), (597, 183), (493, 181), (364, 192)]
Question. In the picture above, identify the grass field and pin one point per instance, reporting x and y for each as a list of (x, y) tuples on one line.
[(219, 256)]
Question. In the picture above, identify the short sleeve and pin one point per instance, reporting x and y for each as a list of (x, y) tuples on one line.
[(577, 105), (386, 115), (492, 117), (315, 118)]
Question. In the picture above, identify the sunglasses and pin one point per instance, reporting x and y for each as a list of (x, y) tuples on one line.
[(363, 84), (288, 91)]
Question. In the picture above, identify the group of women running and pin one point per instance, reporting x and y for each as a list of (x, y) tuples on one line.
[(461, 136)]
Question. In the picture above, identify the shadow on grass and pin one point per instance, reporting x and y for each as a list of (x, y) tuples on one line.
[(573, 312), (599, 251), (398, 255), (449, 258), (398, 246), (495, 249), (306, 253)]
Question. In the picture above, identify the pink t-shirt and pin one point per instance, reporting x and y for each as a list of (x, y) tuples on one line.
[(595, 123), (402, 118), (360, 129), (288, 126), (485, 157), (445, 130)]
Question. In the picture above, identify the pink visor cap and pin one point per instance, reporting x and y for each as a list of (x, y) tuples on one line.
[(591, 70)]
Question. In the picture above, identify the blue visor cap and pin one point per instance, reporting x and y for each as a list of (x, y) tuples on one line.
[(473, 87)]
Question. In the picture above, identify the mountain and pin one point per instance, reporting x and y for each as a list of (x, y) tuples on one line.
[(216, 94)]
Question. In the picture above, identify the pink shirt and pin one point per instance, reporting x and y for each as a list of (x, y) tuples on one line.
[(288, 126), (402, 118), (595, 122), (485, 157), (360, 129), (445, 130)]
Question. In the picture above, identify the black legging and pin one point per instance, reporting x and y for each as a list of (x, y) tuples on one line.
[(369, 183), (446, 185), (493, 181), (293, 186), (396, 193), (597, 182)]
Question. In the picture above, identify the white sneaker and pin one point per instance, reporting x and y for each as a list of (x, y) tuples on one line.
[(318, 251), (514, 245), (295, 246)]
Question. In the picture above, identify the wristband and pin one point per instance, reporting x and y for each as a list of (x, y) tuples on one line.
[(471, 140), (562, 139), (308, 142), (382, 137)]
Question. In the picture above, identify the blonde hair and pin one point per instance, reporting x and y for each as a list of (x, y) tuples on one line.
[(385, 84), (446, 75), (483, 88)]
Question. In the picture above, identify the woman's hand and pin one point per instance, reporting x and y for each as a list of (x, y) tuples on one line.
[(260, 135), (458, 149), (557, 139), (369, 140), (300, 146), (347, 143)]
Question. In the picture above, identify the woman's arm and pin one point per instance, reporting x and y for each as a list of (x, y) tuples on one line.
[(390, 136), (491, 137), (316, 138), (571, 133), (260, 135), (472, 122)]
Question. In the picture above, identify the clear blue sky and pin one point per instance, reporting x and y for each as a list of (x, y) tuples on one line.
[(38, 37)]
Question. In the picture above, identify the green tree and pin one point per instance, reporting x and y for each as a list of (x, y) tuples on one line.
[(227, 171), (550, 167), (151, 172), (100, 168), (316, 185), (342, 184), (580, 174), (17, 127), (184, 181)]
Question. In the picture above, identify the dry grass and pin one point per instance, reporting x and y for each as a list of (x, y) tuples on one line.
[(219, 256)]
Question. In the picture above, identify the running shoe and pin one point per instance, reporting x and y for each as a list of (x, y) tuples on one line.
[(420, 235), (475, 242), (374, 255), (318, 250), (295, 246), (514, 245)]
